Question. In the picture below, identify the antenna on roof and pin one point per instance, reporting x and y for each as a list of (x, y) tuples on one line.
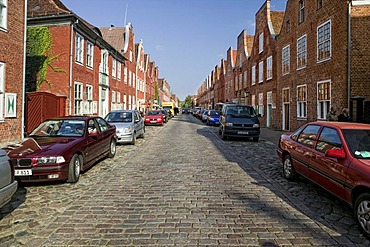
[(125, 14)]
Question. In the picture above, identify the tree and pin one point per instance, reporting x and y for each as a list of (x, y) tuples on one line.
[(188, 101)]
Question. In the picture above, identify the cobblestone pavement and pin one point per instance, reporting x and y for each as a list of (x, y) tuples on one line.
[(180, 186)]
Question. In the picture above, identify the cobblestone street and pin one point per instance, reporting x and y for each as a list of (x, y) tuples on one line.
[(181, 186)]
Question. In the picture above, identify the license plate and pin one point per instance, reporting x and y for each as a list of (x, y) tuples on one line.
[(243, 132), (25, 172), (153, 121)]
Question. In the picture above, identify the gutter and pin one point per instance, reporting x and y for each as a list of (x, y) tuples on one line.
[(24, 98)]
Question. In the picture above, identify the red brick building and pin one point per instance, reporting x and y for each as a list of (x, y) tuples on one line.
[(90, 69), (229, 76), (318, 68), (12, 64)]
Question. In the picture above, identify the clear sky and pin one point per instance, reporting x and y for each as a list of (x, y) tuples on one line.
[(185, 38)]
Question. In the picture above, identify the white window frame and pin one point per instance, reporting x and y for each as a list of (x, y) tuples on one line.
[(324, 42), (113, 100), (104, 62), (79, 56), (125, 75), (130, 56), (125, 104), (260, 43), (129, 77), (129, 102), (89, 54), (302, 102), (253, 75), (323, 104), (269, 68), (301, 17), (285, 60), (114, 68), (118, 97), (89, 98), (302, 52), (3, 15), (260, 72), (133, 80), (78, 97), (119, 66), (2, 90), (260, 104)]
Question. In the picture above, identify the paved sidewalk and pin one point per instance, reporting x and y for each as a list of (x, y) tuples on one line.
[(271, 135)]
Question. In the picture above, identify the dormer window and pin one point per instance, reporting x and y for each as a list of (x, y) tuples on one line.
[(260, 43), (287, 26)]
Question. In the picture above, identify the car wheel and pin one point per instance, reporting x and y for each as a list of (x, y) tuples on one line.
[(288, 168), (256, 139), (112, 149), (362, 213), (74, 168), (133, 141)]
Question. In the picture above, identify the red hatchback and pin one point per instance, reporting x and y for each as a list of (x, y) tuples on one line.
[(62, 148), (155, 117), (336, 156)]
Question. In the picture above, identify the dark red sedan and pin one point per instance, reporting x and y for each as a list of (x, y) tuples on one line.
[(336, 156), (155, 117), (62, 148)]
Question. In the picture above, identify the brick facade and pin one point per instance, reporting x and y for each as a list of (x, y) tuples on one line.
[(12, 65)]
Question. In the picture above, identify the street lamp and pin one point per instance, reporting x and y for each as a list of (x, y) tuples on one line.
[(246, 93)]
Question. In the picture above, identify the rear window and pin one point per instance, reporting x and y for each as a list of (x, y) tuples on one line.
[(358, 141)]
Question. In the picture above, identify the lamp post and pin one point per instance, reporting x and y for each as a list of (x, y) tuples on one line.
[(246, 94)]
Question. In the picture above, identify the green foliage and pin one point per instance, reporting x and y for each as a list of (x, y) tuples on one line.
[(39, 57), (188, 102)]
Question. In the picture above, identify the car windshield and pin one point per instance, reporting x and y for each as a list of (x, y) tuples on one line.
[(358, 141), (115, 117), (62, 127), (153, 113), (214, 113), (241, 111)]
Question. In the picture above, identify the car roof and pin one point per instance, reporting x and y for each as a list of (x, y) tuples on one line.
[(72, 117), (343, 125)]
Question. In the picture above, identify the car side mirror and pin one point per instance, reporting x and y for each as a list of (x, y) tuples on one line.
[(336, 153)]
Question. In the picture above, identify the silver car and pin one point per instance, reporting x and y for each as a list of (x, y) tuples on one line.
[(8, 185), (129, 125)]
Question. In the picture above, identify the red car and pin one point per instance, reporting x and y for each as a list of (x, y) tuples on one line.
[(336, 156), (155, 117), (62, 148)]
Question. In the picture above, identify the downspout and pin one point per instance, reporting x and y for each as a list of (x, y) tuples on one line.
[(24, 98), (349, 56), (70, 69)]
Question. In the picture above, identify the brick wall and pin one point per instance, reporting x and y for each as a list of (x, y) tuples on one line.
[(12, 54)]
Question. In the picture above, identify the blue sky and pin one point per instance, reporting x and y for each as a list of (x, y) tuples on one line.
[(185, 38)]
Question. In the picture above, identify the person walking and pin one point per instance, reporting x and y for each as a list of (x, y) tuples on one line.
[(344, 116), (332, 114)]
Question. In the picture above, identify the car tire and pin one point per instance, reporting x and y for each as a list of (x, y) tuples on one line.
[(288, 168), (74, 169), (256, 139), (362, 211), (112, 148), (133, 141)]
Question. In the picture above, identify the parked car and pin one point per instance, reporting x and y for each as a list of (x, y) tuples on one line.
[(239, 121), (8, 185), (61, 148), (154, 117), (213, 117), (204, 116), (165, 115), (336, 156), (129, 125)]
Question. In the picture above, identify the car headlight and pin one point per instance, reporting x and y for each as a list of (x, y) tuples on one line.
[(256, 125), (229, 124), (127, 130), (50, 160)]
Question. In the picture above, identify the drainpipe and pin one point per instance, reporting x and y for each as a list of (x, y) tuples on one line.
[(24, 98), (70, 69), (349, 56)]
